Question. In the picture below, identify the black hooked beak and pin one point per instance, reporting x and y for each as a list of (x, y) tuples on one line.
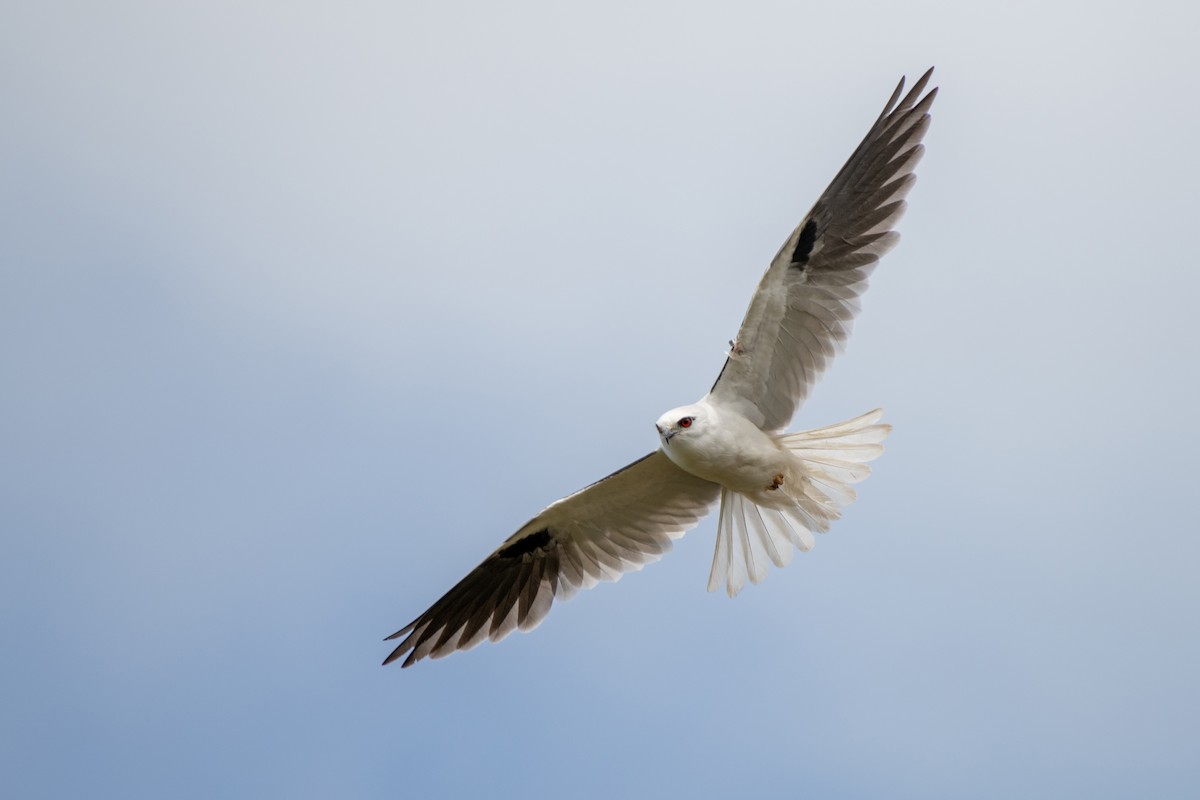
[(666, 435)]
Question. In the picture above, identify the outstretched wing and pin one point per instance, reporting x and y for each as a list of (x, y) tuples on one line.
[(801, 314), (615, 525)]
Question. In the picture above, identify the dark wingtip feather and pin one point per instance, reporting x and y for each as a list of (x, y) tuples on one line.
[(399, 651), (402, 631), (921, 83)]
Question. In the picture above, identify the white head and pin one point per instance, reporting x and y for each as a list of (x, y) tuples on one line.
[(683, 420)]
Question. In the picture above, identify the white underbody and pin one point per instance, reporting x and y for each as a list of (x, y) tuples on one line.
[(777, 489), (726, 448)]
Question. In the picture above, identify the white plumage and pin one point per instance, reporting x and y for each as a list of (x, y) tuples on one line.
[(775, 489)]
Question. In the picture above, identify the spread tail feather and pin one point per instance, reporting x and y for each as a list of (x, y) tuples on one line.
[(829, 459)]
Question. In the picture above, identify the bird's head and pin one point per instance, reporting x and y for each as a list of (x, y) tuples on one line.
[(684, 419)]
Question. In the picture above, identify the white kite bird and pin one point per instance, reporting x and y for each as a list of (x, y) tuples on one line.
[(775, 488)]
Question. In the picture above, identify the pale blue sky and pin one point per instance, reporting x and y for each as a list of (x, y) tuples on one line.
[(303, 309)]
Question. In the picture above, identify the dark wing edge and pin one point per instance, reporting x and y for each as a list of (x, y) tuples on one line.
[(615, 525), (862, 197)]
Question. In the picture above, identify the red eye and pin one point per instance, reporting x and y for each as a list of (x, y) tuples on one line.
[(686, 422)]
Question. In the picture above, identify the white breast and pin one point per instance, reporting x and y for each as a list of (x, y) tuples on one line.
[(726, 448)]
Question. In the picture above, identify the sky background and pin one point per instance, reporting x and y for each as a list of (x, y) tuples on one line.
[(305, 307)]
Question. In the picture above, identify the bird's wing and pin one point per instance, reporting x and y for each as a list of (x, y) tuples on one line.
[(615, 525), (802, 312)]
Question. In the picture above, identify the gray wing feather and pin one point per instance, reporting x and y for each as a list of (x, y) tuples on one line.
[(804, 308), (613, 526)]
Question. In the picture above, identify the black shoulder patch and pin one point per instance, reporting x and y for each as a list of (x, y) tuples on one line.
[(804, 244), (719, 374), (527, 545)]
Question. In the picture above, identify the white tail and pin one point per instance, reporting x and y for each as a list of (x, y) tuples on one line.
[(828, 460)]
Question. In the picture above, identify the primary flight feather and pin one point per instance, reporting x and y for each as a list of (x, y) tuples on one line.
[(775, 489)]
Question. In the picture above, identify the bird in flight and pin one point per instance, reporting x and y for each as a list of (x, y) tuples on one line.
[(775, 488)]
